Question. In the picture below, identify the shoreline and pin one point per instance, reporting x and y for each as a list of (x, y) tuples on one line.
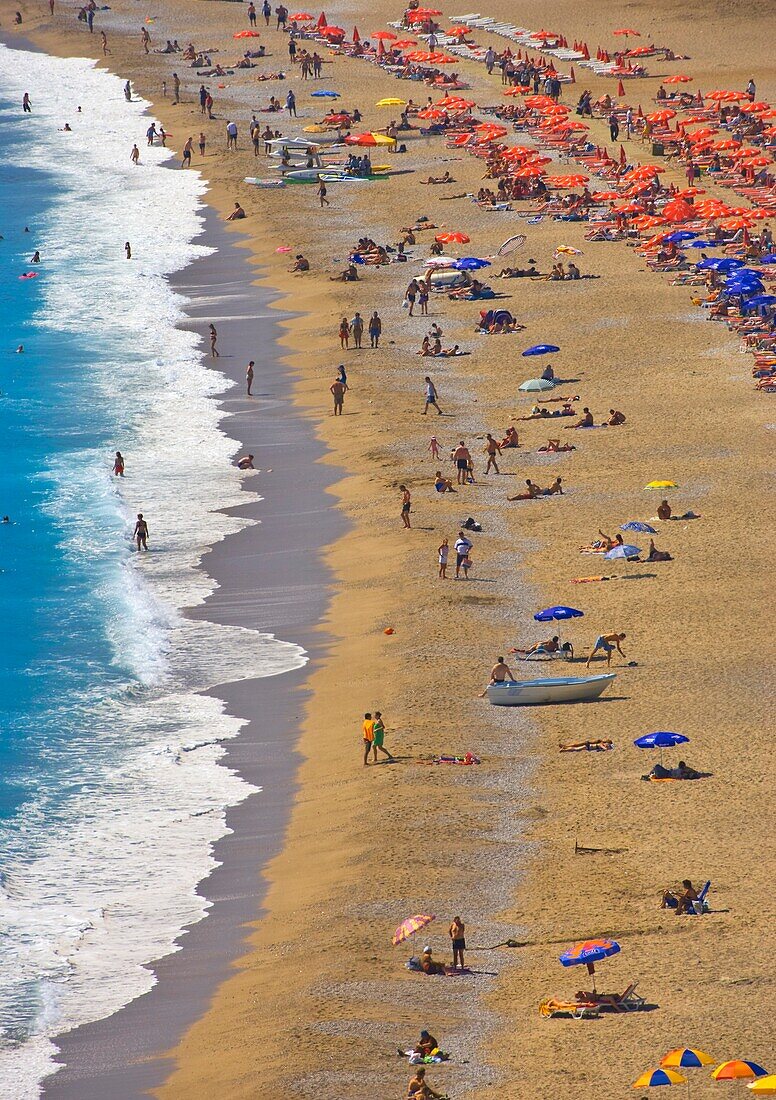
[(121, 1054)]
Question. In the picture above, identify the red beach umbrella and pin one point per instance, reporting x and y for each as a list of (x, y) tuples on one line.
[(661, 116), (301, 17), (388, 36), (626, 33), (452, 238), (677, 79)]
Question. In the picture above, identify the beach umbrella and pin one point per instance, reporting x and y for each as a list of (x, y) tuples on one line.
[(637, 525), (661, 740), (738, 1070), (300, 17), (588, 953), (511, 244), (541, 349), (325, 93), (661, 485), (452, 238), (625, 551), (680, 236), (626, 32), (387, 36), (654, 1077), (410, 926), (764, 1086), (550, 614), (677, 79), (661, 116), (762, 300), (536, 385), (686, 1058), (470, 263), (391, 102)]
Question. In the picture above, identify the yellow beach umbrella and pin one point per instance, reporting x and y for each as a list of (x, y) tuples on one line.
[(383, 139), (654, 1077), (391, 102), (661, 485), (686, 1058), (766, 1086)]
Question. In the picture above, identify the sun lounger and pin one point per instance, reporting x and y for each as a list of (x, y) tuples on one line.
[(578, 1010), (629, 1001)]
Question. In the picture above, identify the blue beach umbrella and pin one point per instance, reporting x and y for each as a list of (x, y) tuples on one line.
[(624, 551), (706, 244), (768, 259), (541, 349), (470, 263), (588, 953), (680, 236), (762, 300), (557, 613), (325, 93), (637, 525), (729, 263), (661, 740)]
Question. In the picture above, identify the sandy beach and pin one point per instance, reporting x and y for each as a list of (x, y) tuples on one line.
[(530, 845)]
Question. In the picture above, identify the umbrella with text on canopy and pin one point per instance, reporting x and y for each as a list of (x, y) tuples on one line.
[(325, 93), (410, 926), (588, 953), (661, 740), (738, 1070), (764, 1086), (470, 263), (654, 1077)]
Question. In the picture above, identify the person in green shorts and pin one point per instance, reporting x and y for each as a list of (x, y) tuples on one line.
[(379, 737)]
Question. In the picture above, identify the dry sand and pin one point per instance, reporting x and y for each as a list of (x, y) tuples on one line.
[(320, 999)]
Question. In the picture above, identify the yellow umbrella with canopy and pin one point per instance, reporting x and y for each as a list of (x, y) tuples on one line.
[(661, 485), (391, 101), (766, 1086), (686, 1057), (654, 1077)]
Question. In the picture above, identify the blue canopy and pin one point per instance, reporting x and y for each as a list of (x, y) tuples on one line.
[(324, 93), (470, 263), (679, 236), (559, 612), (589, 952), (706, 244), (768, 259), (762, 300), (541, 349), (729, 263), (660, 740), (622, 552), (637, 525)]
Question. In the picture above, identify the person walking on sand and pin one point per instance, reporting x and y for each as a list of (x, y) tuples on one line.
[(202, 141), (410, 295), (444, 553), (457, 933), (266, 11), (252, 14), (118, 465), (337, 389), (322, 193), (145, 38), (213, 340), (433, 447), (140, 534), (231, 135), (492, 448), (375, 329), (291, 104), (134, 156), (431, 397), (357, 329), (249, 377), (462, 548), (423, 297), (406, 505), (461, 457), (368, 729), (176, 89), (105, 50), (344, 333), (607, 643), (186, 162), (378, 731)]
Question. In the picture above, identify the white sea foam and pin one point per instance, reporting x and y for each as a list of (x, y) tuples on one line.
[(100, 883)]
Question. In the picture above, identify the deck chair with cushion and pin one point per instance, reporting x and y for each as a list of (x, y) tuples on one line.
[(628, 1001), (578, 1010)]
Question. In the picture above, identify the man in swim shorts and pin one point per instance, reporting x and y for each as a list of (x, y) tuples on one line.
[(501, 672), (368, 728), (338, 393), (607, 643), (462, 457)]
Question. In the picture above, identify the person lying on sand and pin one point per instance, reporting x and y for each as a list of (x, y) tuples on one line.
[(446, 178), (553, 446), (681, 771), (538, 413), (586, 746), (533, 491), (519, 272), (657, 555), (556, 489), (585, 421)]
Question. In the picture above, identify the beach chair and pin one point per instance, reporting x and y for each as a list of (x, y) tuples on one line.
[(628, 1001)]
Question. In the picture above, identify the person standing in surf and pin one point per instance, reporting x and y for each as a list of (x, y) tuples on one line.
[(140, 534), (118, 464), (249, 377)]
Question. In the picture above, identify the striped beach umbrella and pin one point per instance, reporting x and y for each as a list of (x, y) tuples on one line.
[(738, 1070), (764, 1086), (654, 1077), (686, 1058), (410, 926)]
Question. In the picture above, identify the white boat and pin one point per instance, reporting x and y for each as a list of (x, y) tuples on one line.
[(561, 689)]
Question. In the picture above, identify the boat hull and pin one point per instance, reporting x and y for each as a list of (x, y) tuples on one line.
[(566, 689)]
